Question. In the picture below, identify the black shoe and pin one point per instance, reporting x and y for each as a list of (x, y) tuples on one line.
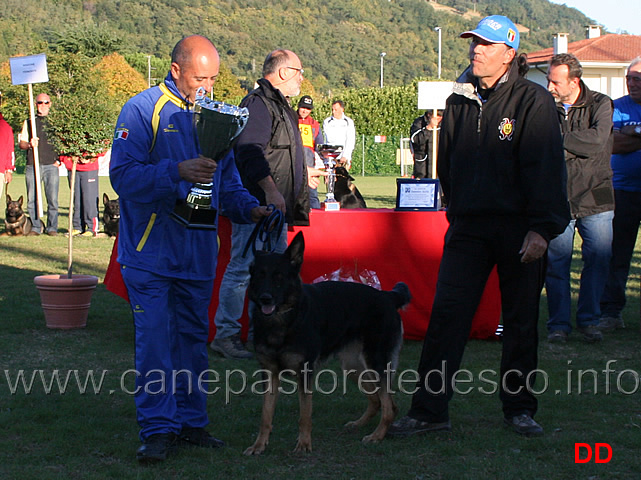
[(406, 426), (524, 424), (591, 333), (157, 447), (199, 437)]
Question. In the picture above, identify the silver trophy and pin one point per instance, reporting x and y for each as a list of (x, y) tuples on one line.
[(329, 154), (217, 126)]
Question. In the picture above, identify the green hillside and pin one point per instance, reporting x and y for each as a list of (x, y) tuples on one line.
[(339, 41)]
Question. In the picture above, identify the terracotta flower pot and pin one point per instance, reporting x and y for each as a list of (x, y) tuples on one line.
[(66, 301)]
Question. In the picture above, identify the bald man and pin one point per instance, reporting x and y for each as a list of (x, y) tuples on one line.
[(169, 269)]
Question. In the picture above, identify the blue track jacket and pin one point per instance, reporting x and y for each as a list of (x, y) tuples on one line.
[(154, 133)]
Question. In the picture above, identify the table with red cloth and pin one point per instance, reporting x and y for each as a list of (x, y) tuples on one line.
[(397, 246)]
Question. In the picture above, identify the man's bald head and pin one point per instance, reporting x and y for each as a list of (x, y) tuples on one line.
[(194, 64)]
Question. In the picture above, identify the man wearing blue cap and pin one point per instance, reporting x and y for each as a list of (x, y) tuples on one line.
[(503, 176)]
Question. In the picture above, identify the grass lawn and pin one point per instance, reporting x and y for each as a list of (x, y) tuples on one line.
[(71, 426)]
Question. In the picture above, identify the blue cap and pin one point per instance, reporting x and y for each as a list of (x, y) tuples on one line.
[(496, 29)]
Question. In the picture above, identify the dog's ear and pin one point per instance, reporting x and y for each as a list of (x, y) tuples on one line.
[(8, 199), (19, 201), (105, 199), (296, 249)]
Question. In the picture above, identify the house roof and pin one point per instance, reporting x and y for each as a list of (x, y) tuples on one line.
[(610, 48)]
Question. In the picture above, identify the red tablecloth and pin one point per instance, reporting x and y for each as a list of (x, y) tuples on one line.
[(397, 246)]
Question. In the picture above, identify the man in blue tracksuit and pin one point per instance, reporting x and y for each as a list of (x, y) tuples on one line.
[(169, 269)]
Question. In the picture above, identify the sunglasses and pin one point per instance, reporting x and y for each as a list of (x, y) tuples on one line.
[(46, 103)]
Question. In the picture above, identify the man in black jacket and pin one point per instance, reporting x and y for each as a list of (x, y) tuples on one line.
[(271, 163), (586, 125), (503, 177)]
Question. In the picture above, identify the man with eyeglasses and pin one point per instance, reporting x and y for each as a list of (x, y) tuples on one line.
[(626, 169), (271, 162), (49, 163)]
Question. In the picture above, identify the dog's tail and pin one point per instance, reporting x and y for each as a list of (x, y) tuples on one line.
[(402, 295)]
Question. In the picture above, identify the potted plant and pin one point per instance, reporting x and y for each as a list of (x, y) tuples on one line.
[(80, 126)]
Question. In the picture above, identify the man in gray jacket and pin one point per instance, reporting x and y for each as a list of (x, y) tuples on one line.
[(586, 124)]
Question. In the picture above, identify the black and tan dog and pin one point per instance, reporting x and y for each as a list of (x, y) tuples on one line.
[(15, 220), (111, 215), (345, 191), (298, 325)]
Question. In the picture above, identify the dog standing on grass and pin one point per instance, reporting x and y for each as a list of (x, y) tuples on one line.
[(15, 220), (297, 325)]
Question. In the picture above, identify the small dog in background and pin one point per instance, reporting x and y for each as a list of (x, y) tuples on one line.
[(346, 192), (15, 221), (298, 325), (111, 216)]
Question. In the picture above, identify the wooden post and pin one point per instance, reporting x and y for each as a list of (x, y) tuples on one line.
[(36, 158), (71, 199)]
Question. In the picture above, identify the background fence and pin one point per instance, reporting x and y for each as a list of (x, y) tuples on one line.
[(382, 156), (373, 156)]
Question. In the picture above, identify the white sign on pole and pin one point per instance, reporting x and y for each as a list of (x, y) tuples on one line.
[(30, 69), (432, 95)]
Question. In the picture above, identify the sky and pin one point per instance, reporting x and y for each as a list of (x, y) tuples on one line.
[(613, 14)]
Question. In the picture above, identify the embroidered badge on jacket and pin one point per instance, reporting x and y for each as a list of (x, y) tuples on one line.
[(506, 129)]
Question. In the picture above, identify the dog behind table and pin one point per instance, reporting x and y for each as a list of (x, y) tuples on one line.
[(298, 325), (345, 191), (15, 220), (111, 215)]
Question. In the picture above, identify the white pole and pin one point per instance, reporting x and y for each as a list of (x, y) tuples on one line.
[(363, 162), (401, 156), (434, 146), (382, 55)]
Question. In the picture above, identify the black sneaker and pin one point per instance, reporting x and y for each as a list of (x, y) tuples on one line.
[(525, 425), (608, 323), (591, 333), (558, 336), (157, 447), (199, 437), (406, 426), (230, 347)]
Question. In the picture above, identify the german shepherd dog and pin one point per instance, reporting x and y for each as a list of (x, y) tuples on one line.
[(345, 191), (111, 215), (15, 221), (298, 325)]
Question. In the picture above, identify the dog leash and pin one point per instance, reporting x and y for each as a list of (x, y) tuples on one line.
[(264, 230)]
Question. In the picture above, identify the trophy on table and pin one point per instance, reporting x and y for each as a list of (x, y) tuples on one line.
[(217, 126), (329, 154)]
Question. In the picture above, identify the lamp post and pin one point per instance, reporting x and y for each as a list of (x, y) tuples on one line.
[(438, 29), (382, 55)]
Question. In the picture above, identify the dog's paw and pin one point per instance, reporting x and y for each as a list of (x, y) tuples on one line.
[(303, 446), (372, 438), (255, 449), (351, 425)]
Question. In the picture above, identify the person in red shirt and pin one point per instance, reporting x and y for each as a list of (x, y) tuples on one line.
[(7, 155), (310, 132), (85, 201)]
